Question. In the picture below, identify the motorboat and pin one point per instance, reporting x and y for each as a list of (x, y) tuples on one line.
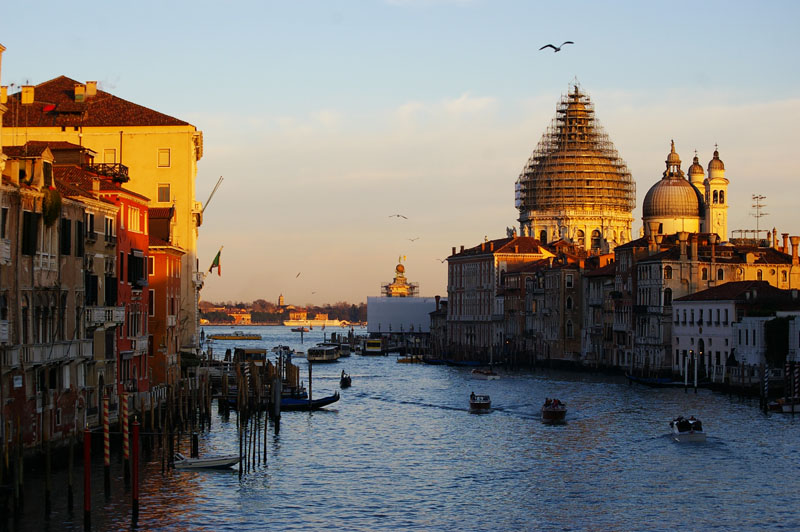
[(785, 405), (300, 329), (486, 374), (236, 335), (554, 412), (345, 381), (209, 462), (684, 429), (323, 353), (479, 403)]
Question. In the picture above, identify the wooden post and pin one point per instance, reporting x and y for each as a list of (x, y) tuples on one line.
[(135, 501), (70, 465), (47, 461), (87, 479), (126, 454), (309, 384), (695, 374), (106, 449)]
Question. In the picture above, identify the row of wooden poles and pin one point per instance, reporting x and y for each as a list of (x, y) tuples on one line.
[(183, 408)]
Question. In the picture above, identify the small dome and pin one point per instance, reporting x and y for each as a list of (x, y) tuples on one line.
[(400, 268), (696, 168), (672, 198), (716, 163)]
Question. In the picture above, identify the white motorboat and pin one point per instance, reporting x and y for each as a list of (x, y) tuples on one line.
[(479, 403), (209, 462), (687, 429)]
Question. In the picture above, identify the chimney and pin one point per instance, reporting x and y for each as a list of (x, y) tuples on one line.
[(774, 238), (27, 94), (96, 185), (91, 88), (4, 95), (712, 239), (694, 247), (483, 246), (795, 240), (80, 92), (462, 248), (785, 248), (454, 251), (491, 246), (437, 301), (516, 248), (682, 236)]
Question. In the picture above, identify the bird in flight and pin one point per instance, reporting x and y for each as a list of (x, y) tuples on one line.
[(556, 48), (413, 239), (441, 260), (298, 275), (398, 216)]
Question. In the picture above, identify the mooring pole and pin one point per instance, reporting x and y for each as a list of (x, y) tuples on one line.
[(126, 454), (135, 498), (87, 479), (106, 449)]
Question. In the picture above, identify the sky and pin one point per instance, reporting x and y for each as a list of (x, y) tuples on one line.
[(327, 117)]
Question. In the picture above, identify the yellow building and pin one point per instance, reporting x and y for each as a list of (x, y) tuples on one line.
[(155, 154)]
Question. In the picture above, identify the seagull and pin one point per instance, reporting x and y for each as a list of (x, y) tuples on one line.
[(398, 216), (413, 239), (298, 275), (556, 48), (441, 260)]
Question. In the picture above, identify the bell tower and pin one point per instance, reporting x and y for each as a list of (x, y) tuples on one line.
[(716, 192)]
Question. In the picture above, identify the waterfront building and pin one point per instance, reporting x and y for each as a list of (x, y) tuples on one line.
[(399, 310), (519, 309), (724, 326), (575, 186), (475, 316), (159, 153), (43, 349), (164, 295), (597, 338), (439, 328)]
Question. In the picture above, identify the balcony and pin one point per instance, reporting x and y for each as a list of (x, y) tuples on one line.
[(5, 251), (111, 240), (57, 352), (172, 320), (3, 331), (104, 316), (118, 172)]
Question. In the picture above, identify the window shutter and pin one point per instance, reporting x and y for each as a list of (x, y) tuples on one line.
[(80, 236), (66, 236)]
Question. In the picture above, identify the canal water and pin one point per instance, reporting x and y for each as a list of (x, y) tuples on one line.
[(401, 451)]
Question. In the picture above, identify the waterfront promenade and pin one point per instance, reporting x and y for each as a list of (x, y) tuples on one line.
[(400, 451)]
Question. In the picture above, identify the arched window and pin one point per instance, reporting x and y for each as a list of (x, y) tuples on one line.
[(720, 275), (667, 297), (704, 273), (596, 239), (569, 329), (579, 235), (569, 303), (759, 275), (783, 276), (716, 196), (543, 236), (722, 196), (667, 272)]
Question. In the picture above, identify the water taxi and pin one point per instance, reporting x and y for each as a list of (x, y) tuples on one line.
[(322, 353), (237, 335), (479, 403), (210, 462), (684, 429), (373, 347), (553, 412)]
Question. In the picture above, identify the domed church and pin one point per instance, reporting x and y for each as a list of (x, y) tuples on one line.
[(696, 205), (575, 186)]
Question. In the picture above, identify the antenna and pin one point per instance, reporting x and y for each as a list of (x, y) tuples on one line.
[(219, 181), (758, 205)]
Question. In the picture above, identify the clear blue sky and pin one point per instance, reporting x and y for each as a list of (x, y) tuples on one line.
[(325, 117)]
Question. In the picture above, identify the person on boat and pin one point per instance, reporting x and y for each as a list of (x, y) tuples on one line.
[(547, 401), (472, 396)]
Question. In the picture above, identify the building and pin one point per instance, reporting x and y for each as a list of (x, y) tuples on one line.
[(575, 186), (474, 276), (159, 153), (597, 338), (399, 310)]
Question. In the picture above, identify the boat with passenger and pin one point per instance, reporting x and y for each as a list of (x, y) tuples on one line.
[(300, 404), (323, 353), (479, 402), (486, 374), (684, 429), (236, 335), (300, 329), (554, 412), (345, 381)]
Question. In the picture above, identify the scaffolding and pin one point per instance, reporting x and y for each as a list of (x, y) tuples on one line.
[(575, 166)]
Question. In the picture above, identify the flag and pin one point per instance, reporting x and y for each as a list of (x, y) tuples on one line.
[(48, 107), (215, 264)]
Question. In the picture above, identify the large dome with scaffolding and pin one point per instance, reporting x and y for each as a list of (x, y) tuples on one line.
[(575, 181)]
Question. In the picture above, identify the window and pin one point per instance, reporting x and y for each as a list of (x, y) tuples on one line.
[(716, 196), (722, 196), (667, 272), (569, 303), (151, 303), (704, 273), (596, 240), (151, 266), (3, 222), (89, 220), (110, 232), (759, 275), (667, 297), (79, 238), (163, 158), (110, 156), (569, 329), (66, 236), (783, 276), (47, 173), (163, 193), (720, 274), (134, 219), (30, 229), (569, 281)]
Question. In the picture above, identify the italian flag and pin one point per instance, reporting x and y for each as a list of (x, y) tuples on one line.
[(215, 264)]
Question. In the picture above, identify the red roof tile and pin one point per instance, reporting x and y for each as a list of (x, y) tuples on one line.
[(161, 212), (102, 109)]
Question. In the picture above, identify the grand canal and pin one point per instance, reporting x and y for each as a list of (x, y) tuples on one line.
[(400, 451)]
